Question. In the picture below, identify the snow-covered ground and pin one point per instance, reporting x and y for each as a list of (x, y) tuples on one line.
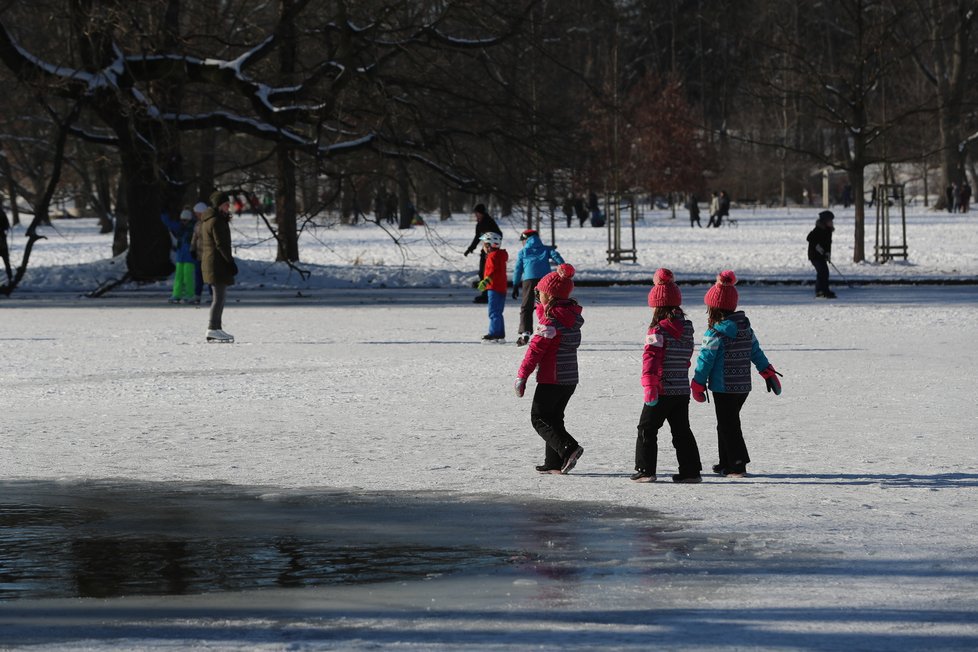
[(855, 529)]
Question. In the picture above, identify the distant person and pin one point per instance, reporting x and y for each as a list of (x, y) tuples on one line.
[(965, 196), (552, 352), (493, 284), (568, 208), (665, 381), (714, 209), (580, 210), (723, 366), (217, 262), (4, 249), (532, 263), (694, 211), (820, 253), (182, 231), (846, 195), (594, 208), (723, 207), (949, 198), (483, 224)]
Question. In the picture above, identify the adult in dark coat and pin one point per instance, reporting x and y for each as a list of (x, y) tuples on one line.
[(723, 207), (483, 224), (820, 252), (694, 211), (216, 260)]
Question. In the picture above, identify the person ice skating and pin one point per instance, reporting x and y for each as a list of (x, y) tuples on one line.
[(217, 262), (532, 264), (183, 278), (723, 365), (552, 352), (198, 211), (665, 381), (714, 209), (483, 224), (494, 284), (694, 211), (820, 252)]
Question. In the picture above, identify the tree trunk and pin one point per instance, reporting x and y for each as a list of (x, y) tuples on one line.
[(285, 208), (858, 177), (404, 197), (11, 189), (148, 257)]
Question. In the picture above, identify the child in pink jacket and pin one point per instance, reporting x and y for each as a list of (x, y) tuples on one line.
[(553, 353), (665, 380)]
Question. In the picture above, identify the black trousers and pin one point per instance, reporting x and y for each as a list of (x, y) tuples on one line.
[(675, 410), (547, 417), (730, 436), (527, 306), (821, 275)]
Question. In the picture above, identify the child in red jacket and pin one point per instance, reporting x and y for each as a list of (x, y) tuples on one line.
[(665, 379), (495, 282), (553, 353)]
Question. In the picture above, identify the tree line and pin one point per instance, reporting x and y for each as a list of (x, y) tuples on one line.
[(131, 109)]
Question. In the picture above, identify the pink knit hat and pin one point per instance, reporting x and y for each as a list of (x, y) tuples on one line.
[(664, 290), (723, 295), (558, 284)]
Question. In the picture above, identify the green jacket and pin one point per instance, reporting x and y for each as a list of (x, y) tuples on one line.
[(216, 262)]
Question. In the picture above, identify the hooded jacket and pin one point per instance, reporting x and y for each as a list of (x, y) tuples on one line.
[(496, 269), (728, 350), (217, 264), (183, 232), (533, 260), (666, 359), (553, 347)]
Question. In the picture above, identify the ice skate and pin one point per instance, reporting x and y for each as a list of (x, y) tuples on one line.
[(219, 336), (687, 479), (546, 469), (571, 460), (643, 476), (493, 339), (523, 339)]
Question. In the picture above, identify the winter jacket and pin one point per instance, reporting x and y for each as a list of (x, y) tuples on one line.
[(216, 262), (728, 349), (496, 270), (820, 237), (533, 260), (666, 360), (553, 348), (486, 224), (183, 232)]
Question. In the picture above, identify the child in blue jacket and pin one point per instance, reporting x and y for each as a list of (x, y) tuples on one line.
[(183, 279), (729, 347), (532, 264)]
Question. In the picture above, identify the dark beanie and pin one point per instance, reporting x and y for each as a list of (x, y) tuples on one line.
[(826, 216)]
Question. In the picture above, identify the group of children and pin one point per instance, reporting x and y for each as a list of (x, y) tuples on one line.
[(723, 368)]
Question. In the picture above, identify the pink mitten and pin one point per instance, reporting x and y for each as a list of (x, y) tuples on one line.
[(770, 376), (699, 391)]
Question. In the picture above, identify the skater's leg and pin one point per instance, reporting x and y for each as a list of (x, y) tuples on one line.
[(526, 306), (646, 443), (218, 296), (687, 452), (730, 436), (821, 276), (497, 301)]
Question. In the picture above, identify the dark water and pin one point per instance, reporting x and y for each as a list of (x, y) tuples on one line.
[(108, 539)]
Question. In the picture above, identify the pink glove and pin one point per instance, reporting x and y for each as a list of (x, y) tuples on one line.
[(770, 376), (520, 386), (699, 391)]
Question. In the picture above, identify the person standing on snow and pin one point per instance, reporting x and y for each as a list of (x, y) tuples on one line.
[(820, 253), (694, 211), (665, 380), (217, 262), (553, 353), (183, 278), (532, 264), (729, 347), (494, 285), (483, 224)]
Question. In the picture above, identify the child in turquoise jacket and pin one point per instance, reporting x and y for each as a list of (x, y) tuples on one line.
[(729, 347)]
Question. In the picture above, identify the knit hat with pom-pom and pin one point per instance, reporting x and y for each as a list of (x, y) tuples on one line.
[(723, 294), (558, 284), (664, 290)]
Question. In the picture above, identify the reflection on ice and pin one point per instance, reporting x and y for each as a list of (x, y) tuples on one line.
[(108, 539)]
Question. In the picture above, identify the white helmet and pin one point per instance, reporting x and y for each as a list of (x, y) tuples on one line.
[(494, 239)]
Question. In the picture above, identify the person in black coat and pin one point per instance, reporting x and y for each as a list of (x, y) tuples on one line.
[(820, 252), (694, 211), (483, 224)]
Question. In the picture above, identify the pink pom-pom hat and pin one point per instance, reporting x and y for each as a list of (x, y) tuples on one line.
[(723, 294), (664, 292), (558, 284)]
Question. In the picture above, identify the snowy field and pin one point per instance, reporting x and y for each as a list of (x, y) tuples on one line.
[(855, 529)]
